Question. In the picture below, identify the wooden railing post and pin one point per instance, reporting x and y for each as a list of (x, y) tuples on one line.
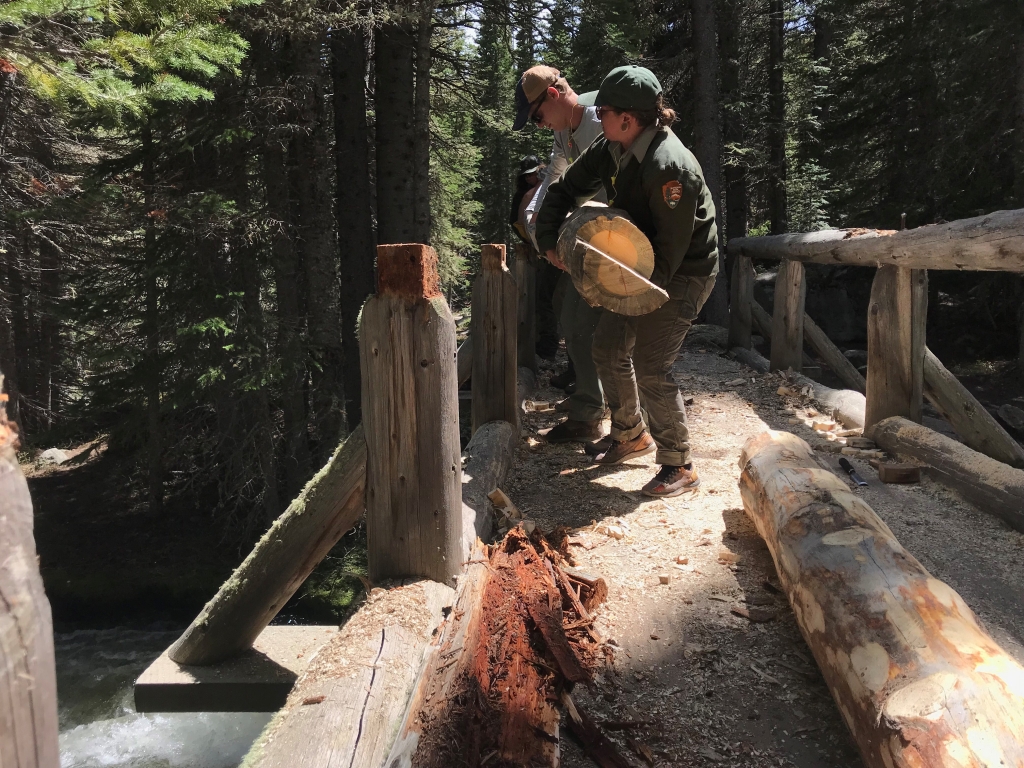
[(411, 420), (896, 342), (495, 330), (788, 317), (526, 280), (28, 681), (740, 302)]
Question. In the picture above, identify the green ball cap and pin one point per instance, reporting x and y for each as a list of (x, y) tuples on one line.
[(629, 87)]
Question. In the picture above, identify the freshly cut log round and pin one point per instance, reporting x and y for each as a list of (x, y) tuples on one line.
[(915, 677), (610, 260)]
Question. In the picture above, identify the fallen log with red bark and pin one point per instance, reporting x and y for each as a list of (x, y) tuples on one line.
[(516, 639), (918, 681)]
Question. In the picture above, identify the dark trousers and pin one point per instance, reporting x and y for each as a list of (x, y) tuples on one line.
[(634, 358), (547, 319)]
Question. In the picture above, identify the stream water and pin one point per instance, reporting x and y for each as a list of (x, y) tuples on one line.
[(99, 727)]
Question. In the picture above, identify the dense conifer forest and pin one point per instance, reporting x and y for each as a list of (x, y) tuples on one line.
[(191, 190)]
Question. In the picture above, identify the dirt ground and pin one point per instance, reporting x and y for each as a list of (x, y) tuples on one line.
[(713, 688)]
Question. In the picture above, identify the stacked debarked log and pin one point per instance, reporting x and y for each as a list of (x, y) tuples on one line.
[(28, 680), (916, 678)]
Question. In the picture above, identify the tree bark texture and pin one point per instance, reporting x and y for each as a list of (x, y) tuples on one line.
[(896, 329), (314, 184), (788, 317), (411, 416), (328, 507), (421, 179), (353, 201), (990, 485), (707, 137), (994, 242), (777, 207), (28, 678), (395, 97), (495, 315), (917, 680), (735, 167), (742, 290)]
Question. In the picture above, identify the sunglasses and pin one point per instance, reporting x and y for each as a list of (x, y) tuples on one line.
[(535, 117), (602, 111)]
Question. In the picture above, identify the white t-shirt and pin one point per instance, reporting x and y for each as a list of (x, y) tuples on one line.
[(566, 147)]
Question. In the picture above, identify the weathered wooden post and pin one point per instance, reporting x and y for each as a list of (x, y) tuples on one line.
[(526, 280), (896, 342), (411, 419), (28, 678), (495, 326), (788, 317), (740, 302)]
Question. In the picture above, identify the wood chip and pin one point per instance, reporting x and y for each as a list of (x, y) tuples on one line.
[(756, 615), (313, 700)]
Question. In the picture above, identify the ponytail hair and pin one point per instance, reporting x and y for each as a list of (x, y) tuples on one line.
[(662, 115)]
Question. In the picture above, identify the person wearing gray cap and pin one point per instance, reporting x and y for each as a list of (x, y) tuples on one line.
[(647, 172), (545, 98)]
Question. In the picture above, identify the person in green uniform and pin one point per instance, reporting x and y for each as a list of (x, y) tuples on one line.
[(646, 171)]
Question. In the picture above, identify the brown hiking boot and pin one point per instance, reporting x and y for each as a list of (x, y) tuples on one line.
[(597, 447), (672, 481), (624, 450), (570, 431)]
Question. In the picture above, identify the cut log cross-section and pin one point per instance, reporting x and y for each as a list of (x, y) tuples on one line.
[(330, 505), (495, 332), (610, 260), (411, 419), (28, 680), (916, 679)]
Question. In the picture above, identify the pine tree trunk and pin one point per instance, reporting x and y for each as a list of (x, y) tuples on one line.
[(422, 127), (151, 325), (707, 132), (395, 97), (353, 201), (735, 165), (776, 118), (319, 244)]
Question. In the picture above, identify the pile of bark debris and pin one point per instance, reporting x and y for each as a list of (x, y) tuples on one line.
[(503, 664)]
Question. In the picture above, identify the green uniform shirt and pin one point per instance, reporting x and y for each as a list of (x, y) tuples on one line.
[(659, 183)]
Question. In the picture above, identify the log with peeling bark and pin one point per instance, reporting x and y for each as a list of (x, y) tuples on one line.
[(991, 485), (915, 677), (489, 693), (329, 506), (28, 680), (994, 242)]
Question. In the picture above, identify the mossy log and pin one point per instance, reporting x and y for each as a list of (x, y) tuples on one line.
[(610, 260), (28, 678), (915, 677), (329, 506)]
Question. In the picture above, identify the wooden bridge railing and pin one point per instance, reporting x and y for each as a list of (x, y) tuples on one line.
[(901, 370)]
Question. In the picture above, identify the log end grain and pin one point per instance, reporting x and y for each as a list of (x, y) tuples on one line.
[(408, 270), (492, 257)]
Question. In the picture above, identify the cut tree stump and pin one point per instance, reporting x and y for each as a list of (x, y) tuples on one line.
[(896, 323), (491, 684), (610, 260), (991, 242), (991, 485), (411, 420), (975, 425), (28, 678), (495, 352), (916, 679), (788, 317), (329, 506)]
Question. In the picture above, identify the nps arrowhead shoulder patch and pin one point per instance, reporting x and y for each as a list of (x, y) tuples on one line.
[(672, 192)]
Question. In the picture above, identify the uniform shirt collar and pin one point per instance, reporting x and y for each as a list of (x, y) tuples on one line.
[(637, 149)]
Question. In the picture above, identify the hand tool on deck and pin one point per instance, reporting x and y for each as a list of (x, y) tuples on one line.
[(848, 468)]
